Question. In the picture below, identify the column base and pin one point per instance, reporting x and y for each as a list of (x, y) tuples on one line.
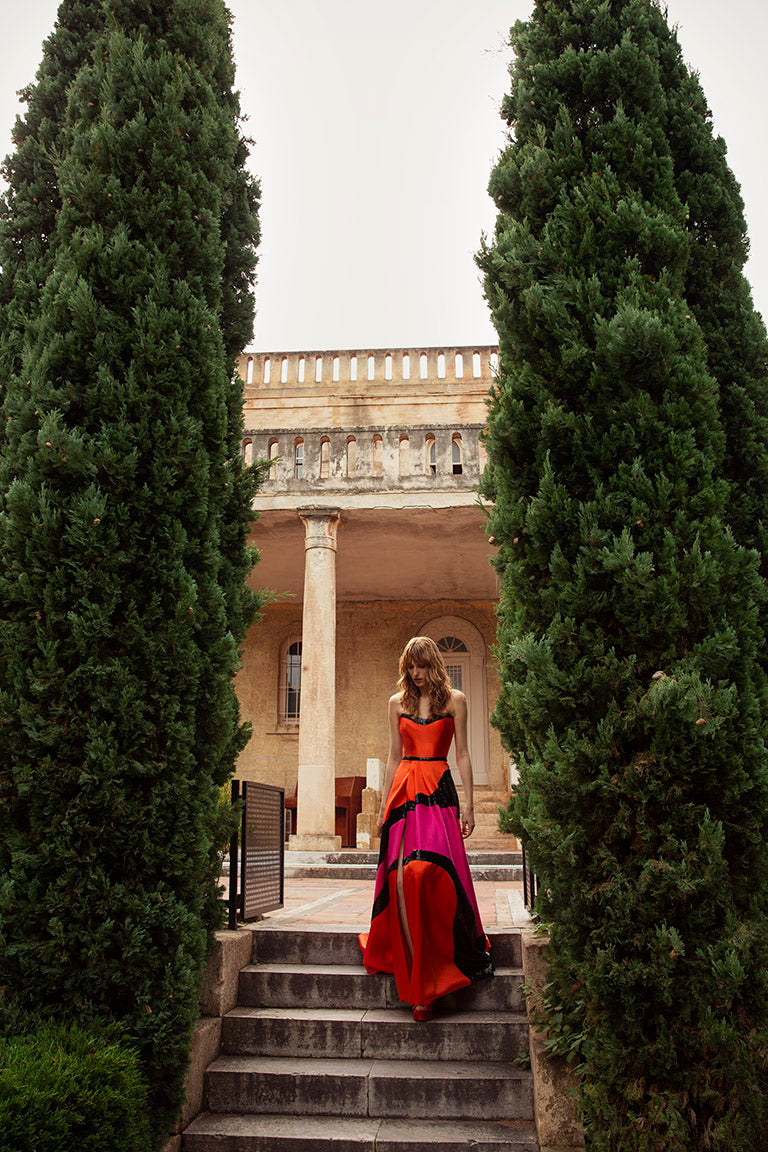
[(314, 842)]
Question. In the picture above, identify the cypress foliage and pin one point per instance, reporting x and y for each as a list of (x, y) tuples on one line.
[(718, 293), (123, 556), (630, 617), (32, 200)]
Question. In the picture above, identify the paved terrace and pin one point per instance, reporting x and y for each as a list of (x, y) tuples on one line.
[(310, 903)]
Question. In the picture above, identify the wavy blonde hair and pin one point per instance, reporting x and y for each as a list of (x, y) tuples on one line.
[(423, 651)]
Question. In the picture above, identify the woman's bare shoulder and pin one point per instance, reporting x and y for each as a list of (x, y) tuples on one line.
[(396, 703), (458, 702)]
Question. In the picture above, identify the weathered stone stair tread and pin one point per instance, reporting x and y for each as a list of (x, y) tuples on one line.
[(330, 944), (264, 1133), (350, 986), (364, 1087), (386, 1034)]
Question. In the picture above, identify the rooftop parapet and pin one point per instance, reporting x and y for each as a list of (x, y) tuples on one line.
[(468, 366)]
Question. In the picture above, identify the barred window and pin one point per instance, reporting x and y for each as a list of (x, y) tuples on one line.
[(290, 683), (456, 456)]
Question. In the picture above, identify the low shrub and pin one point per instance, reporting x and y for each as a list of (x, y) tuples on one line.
[(71, 1087)]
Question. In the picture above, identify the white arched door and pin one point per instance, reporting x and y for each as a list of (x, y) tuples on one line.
[(463, 650)]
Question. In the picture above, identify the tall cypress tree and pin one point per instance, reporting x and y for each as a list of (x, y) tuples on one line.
[(629, 625), (123, 542)]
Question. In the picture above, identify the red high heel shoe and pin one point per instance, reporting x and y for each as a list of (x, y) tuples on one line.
[(422, 1012)]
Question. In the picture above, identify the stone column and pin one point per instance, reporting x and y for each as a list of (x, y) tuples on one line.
[(316, 794)]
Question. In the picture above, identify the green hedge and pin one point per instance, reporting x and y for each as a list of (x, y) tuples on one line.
[(71, 1088), (629, 478), (125, 510)]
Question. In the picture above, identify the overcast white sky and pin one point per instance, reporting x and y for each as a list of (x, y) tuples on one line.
[(375, 129)]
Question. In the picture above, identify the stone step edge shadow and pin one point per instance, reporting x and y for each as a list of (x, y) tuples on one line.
[(257, 1132)]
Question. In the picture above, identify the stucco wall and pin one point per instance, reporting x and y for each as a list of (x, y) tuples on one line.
[(369, 640)]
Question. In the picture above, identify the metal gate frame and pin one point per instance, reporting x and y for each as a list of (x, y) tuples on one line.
[(530, 882), (256, 852)]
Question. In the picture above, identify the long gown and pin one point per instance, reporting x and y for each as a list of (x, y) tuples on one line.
[(450, 948)]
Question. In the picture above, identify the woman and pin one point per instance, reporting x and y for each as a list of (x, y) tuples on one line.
[(425, 924)]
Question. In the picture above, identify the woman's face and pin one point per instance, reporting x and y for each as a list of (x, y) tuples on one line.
[(418, 673)]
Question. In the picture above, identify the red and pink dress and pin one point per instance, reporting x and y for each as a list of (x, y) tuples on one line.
[(450, 948)]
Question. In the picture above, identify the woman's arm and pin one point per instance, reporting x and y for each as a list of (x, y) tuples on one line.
[(394, 757), (463, 762)]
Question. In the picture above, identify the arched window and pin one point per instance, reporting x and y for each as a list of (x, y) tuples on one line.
[(430, 455), (458, 365), (351, 456), (456, 454), (441, 365), (325, 458), (463, 648), (406, 367), (451, 644), (377, 456), (452, 648), (298, 459), (249, 371), (289, 706), (388, 366), (273, 460), (284, 370), (248, 451), (423, 366), (476, 365), (267, 369)]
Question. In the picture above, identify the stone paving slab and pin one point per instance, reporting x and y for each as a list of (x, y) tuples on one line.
[(330, 902)]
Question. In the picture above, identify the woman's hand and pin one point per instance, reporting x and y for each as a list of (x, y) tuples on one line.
[(467, 822)]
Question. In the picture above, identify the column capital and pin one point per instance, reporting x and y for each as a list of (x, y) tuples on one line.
[(321, 526)]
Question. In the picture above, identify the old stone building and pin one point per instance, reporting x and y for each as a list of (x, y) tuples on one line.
[(370, 531)]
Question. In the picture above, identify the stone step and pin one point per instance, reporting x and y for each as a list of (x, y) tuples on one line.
[(490, 804), (495, 843), (329, 944), (376, 1034), (511, 873), (503, 854), (438, 1089), (350, 986), (260, 1133)]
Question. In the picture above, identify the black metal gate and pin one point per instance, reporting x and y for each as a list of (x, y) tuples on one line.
[(256, 854)]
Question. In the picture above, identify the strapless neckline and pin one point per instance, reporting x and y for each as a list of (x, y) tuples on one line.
[(431, 720)]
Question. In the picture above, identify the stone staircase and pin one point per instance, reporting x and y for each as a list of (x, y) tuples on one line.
[(486, 836), (318, 1056), (354, 864)]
